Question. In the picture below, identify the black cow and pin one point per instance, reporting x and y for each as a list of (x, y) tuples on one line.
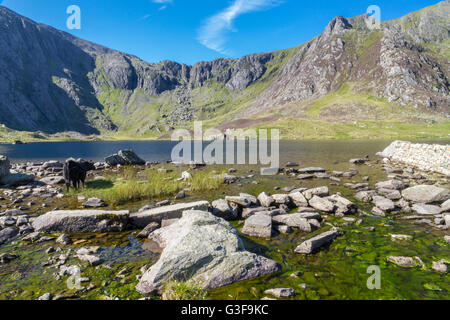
[(75, 172)]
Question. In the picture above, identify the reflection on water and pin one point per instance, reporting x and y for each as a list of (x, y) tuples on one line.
[(299, 151)]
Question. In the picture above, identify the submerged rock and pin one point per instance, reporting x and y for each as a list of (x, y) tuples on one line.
[(281, 292), (202, 247), (82, 221), (314, 244), (440, 266), (405, 262)]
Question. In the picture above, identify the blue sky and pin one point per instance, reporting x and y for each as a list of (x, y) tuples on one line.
[(189, 31)]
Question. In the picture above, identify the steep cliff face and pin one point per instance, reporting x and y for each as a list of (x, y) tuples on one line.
[(51, 81)]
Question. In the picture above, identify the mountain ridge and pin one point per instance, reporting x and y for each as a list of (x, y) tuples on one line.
[(54, 82)]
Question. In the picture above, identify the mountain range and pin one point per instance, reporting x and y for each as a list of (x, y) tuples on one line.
[(350, 81)]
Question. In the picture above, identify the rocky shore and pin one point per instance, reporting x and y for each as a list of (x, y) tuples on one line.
[(205, 241)]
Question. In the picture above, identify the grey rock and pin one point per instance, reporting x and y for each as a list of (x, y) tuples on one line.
[(53, 180), (17, 179), (426, 194), (295, 220), (124, 157), (202, 247), (405, 262), (5, 166), (305, 176), (64, 239), (378, 212), (390, 184), (46, 297), (7, 234), (426, 209), (440, 266), (446, 206), (383, 203), (322, 204), (252, 199), (148, 230), (283, 229), (365, 196), (222, 209), (311, 170), (175, 211), (94, 203), (298, 199), (281, 199), (180, 195), (93, 260), (240, 201), (320, 192), (248, 212), (266, 200), (312, 245), (258, 225), (82, 221), (281, 292)]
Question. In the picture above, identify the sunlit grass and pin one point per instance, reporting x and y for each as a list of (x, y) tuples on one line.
[(131, 184), (190, 290)]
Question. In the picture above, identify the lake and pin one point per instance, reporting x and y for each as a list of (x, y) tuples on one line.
[(307, 152)]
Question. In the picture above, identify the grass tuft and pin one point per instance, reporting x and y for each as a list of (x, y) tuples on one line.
[(190, 290)]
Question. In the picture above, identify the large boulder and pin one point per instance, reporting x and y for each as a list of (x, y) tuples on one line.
[(82, 221), (142, 219), (205, 249), (426, 194), (124, 157)]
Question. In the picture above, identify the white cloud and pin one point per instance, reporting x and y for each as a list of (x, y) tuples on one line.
[(213, 33), (162, 1)]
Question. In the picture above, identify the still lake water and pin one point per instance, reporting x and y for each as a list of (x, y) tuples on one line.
[(305, 152)]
